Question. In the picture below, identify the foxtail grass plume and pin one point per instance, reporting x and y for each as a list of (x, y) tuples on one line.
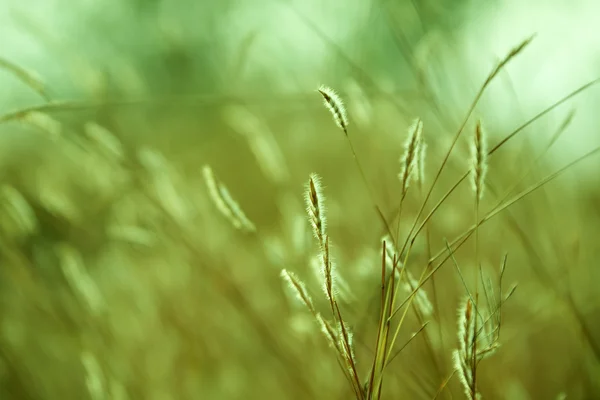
[(298, 288), (464, 362), (313, 196), (315, 208), (475, 344), (479, 160), (329, 333), (224, 202), (336, 107), (409, 160)]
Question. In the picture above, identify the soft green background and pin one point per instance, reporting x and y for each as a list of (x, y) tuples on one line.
[(168, 301)]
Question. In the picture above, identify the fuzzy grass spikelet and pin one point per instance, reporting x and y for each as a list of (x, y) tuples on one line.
[(298, 288), (479, 160), (228, 207), (410, 158), (315, 208), (336, 107), (463, 357)]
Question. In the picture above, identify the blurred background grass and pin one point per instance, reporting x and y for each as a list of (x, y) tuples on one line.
[(120, 280)]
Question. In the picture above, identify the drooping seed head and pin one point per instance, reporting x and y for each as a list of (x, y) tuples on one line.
[(336, 107)]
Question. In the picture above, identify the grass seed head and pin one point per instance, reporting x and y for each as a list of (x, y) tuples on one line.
[(409, 160), (479, 160), (336, 107), (315, 208)]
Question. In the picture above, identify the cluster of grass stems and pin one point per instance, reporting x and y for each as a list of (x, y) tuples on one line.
[(480, 313)]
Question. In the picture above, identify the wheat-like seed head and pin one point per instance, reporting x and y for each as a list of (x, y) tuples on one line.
[(228, 207), (315, 208), (329, 276), (409, 160), (329, 332), (298, 288), (336, 107), (346, 342), (479, 160), (463, 356)]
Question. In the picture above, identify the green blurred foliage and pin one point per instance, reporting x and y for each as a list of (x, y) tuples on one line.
[(120, 279)]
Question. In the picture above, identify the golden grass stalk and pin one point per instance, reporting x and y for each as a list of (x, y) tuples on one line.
[(511, 55), (341, 337), (479, 166), (409, 282)]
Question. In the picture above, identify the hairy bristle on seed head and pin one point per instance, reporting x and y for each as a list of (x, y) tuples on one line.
[(463, 356), (479, 160), (225, 204), (336, 107), (410, 157), (315, 208), (298, 288)]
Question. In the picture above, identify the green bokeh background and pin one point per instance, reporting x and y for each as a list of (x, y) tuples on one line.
[(119, 279)]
